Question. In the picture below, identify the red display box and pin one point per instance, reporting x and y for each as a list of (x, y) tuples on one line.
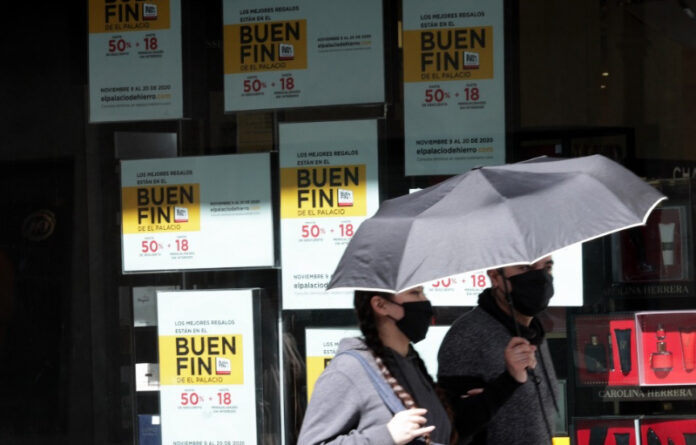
[(666, 347), (609, 428), (603, 357), (679, 431)]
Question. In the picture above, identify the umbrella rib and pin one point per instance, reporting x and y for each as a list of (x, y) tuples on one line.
[(504, 199)]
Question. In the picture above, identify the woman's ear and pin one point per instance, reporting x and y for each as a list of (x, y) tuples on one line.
[(378, 305)]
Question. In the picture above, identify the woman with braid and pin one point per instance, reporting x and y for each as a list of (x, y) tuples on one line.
[(376, 390)]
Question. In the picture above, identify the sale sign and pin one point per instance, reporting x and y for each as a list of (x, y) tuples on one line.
[(207, 367), (197, 213), (307, 53), (135, 66), (454, 85), (328, 182)]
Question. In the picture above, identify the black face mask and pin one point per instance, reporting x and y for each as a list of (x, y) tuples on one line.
[(531, 291), (416, 320)]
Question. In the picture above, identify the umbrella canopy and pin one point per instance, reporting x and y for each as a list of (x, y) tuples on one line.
[(492, 217)]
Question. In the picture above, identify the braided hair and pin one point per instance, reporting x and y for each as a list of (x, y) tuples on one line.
[(368, 327)]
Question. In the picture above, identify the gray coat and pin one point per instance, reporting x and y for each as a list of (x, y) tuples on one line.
[(474, 348), (345, 407)]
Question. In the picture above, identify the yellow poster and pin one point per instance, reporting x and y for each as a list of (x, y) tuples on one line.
[(119, 16), (207, 366), (201, 360), (315, 366), (265, 46), (325, 191), (448, 54), (161, 208)]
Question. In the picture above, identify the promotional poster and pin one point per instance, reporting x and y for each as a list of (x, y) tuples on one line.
[(197, 213), (303, 53), (206, 357), (135, 62), (327, 189), (454, 85)]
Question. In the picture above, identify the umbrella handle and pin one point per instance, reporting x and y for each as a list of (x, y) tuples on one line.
[(532, 375)]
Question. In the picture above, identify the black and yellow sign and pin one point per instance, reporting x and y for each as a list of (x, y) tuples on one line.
[(326, 191), (448, 54), (161, 208), (265, 46), (128, 15), (201, 360)]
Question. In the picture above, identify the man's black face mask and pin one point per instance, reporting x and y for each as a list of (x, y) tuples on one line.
[(531, 291)]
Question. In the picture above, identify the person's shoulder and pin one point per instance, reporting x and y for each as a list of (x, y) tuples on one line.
[(464, 330), (345, 360), (352, 344), (473, 330), (468, 322)]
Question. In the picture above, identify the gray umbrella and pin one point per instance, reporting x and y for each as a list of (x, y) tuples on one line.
[(492, 217)]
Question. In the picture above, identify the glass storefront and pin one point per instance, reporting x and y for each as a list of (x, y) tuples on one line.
[(206, 163)]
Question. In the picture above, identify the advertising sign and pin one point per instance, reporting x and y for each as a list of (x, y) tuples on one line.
[(464, 289), (207, 375), (454, 85), (135, 65), (197, 213), (328, 181), (280, 54)]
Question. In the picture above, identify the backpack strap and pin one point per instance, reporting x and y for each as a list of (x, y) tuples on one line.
[(381, 386), (384, 390)]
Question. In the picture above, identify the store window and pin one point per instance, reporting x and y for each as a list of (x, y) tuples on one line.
[(178, 204)]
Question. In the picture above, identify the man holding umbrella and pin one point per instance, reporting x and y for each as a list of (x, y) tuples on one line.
[(494, 218), (497, 372)]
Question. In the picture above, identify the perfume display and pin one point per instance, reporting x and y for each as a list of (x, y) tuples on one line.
[(686, 336), (655, 252), (599, 353), (595, 356), (661, 360), (666, 431), (666, 347), (634, 340), (637, 349), (622, 438), (617, 430), (666, 231), (606, 431), (653, 438), (623, 340), (598, 435), (611, 353)]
